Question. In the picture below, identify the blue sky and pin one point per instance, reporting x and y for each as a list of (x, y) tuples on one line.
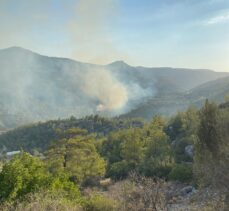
[(177, 33)]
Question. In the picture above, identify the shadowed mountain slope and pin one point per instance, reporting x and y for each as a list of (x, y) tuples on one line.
[(36, 88)]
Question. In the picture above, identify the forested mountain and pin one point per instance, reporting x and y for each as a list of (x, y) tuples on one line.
[(35, 87), (168, 104), (215, 90), (39, 136)]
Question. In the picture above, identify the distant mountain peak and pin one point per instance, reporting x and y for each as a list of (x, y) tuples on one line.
[(119, 63), (17, 50)]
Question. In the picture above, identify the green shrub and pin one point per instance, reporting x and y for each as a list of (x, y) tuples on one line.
[(181, 172), (61, 183), (100, 203), (150, 169), (22, 175), (42, 201), (90, 182), (179, 150), (119, 170), (26, 174)]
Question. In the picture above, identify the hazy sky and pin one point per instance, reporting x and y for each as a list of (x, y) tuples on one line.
[(177, 33)]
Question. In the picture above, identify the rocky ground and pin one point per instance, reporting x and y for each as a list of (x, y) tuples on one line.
[(190, 199), (169, 196)]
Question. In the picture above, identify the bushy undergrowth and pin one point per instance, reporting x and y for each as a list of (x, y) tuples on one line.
[(98, 202), (181, 172), (42, 201)]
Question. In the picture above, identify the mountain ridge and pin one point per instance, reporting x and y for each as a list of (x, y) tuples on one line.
[(36, 87), (116, 62), (215, 90)]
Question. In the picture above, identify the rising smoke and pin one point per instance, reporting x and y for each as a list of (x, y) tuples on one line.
[(90, 33), (41, 88), (101, 85)]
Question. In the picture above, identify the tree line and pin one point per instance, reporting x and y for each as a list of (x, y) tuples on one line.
[(76, 158)]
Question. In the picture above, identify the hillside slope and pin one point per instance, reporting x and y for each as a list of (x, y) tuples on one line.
[(36, 88), (168, 104), (40, 135)]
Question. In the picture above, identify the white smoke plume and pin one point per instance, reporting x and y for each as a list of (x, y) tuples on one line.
[(101, 85), (90, 33)]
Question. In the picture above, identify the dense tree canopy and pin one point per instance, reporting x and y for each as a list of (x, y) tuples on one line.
[(182, 130), (212, 146), (39, 136), (76, 155), (25, 174)]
